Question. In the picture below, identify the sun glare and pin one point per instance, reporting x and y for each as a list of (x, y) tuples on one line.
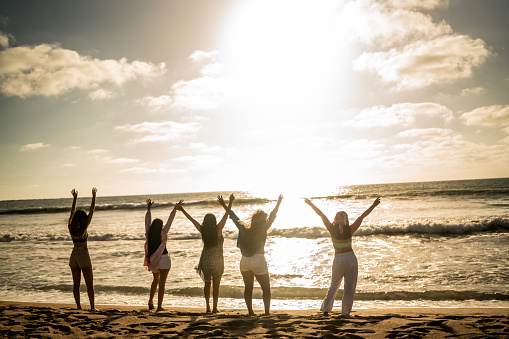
[(284, 57)]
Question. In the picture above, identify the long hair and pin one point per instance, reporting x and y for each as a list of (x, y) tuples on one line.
[(154, 236), (209, 230), (341, 226), (255, 229), (79, 223)]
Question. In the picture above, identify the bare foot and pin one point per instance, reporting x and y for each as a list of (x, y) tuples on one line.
[(93, 309), (326, 314), (160, 309), (150, 305), (207, 310), (215, 310), (251, 313)]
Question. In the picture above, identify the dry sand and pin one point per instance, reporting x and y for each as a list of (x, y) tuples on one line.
[(61, 320)]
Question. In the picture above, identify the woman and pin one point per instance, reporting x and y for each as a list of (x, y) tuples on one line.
[(80, 258), (345, 261), (251, 242), (211, 265), (157, 259)]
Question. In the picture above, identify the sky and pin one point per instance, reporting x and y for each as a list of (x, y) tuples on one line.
[(269, 96)]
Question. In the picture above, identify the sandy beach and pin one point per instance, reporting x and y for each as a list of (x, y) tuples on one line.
[(63, 320)]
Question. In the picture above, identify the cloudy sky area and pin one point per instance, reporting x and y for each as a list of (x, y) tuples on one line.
[(299, 97)]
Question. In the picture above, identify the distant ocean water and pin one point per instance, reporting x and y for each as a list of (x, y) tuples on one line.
[(428, 244)]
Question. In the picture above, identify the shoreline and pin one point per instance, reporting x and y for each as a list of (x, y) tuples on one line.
[(57, 320)]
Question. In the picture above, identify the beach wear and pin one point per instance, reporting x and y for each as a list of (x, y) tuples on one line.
[(345, 265), (211, 265), (255, 263), (163, 264), (252, 244), (152, 259), (80, 258)]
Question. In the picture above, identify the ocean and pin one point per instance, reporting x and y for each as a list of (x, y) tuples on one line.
[(428, 244)]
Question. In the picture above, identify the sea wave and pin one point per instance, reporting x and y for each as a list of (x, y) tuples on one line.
[(128, 206), (421, 193), (493, 225), (280, 292)]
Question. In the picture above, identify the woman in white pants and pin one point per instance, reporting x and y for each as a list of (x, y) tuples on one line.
[(345, 261)]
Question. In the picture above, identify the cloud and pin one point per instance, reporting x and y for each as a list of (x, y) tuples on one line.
[(101, 94), (381, 25), (156, 104), (402, 115), (203, 93), (121, 161), (4, 40), (160, 131), (472, 91), (490, 116), (423, 63), (426, 133), (50, 70), (416, 4), (33, 147)]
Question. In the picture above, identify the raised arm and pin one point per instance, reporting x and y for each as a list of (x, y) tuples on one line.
[(273, 214), (92, 205), (232, 214), (325, 221), (180, 207), (73, 208), (148, 215), (172, 215), (358, 222), (221, 224)]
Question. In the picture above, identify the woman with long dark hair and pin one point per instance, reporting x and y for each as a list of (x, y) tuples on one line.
[(80, 258), (211, 265), (251, 241), (157, 259), (345, 262)]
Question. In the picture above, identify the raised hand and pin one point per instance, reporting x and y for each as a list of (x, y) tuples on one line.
[(94, 191), (179, 205), (149, 203), (232, 197), (220, 200), (74, 193), (307, 201), (376, 202), (280, 198)]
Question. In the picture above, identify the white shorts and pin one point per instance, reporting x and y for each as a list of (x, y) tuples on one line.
[(255, 263), (163, 264)]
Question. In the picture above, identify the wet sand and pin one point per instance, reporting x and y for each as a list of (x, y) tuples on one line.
[(19, 320)]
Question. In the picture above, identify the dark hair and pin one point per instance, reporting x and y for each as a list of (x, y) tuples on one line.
[(79, 223), (341, 226), (209, 230), (154, 236)]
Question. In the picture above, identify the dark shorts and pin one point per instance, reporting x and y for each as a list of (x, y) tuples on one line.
[(80, 258)]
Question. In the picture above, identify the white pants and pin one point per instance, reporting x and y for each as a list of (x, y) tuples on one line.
[(345, 264)]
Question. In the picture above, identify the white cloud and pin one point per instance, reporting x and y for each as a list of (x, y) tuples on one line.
[(101, 94), (378, 24), (69, 165), (199, 94), (472, 91), (490, 116), (4, 40), (50, 70), (98, 151), (160, 131), (423, 63), (402, 115), (426, 133), (33, 147), (159, 103), (416, 4), (121, 161)]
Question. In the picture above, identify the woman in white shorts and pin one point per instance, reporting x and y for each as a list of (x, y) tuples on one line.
[(345, 262), (251, 242), (157, 259)]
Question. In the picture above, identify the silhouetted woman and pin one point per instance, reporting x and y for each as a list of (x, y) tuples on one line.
[(80, 258), (157, 259), (345, 262), (211, 265), (251, 242)]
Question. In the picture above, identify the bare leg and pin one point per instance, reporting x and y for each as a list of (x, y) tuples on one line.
[(215, 294), (88, 274), (160, 293), (264, 281), (206, 292), (76, 281), (153, 287), (248, 277)]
